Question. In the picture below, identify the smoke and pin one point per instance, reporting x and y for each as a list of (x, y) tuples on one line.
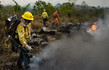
[(81, 51)]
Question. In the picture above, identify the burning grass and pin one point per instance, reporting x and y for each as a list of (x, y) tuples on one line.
[(93, 27)]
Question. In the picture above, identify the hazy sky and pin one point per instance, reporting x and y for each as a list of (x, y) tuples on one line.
[(95, 2), (54, 2)]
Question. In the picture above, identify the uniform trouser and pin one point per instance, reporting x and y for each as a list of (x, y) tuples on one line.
[(44, 21), (56, 21), (24, 57)]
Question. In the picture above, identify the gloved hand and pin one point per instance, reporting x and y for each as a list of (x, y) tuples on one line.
[(28, 47)]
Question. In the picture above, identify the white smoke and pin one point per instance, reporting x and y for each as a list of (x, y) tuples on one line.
[(82, 51)]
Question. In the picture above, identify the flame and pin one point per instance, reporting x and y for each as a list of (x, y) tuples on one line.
[(93, 28)]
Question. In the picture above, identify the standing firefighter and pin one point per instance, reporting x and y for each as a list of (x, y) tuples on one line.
[(44, 17), (23, 32), (19, 31), (56, 17)]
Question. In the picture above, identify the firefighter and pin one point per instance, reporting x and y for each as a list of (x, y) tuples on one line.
[(56, 17), (44, 16), (23, 32)]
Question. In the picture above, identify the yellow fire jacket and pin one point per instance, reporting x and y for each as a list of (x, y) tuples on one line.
[(23, 33), (44, 15)]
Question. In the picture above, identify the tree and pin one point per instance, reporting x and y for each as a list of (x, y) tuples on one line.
[(17, 7), (39, 6), (66, 8)]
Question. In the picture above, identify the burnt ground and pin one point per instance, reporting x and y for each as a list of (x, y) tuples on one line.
[(8, 59)]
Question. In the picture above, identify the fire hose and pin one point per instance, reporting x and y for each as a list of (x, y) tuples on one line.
[(36, 60)]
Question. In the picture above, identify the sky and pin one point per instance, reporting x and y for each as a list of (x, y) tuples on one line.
[(102, 3)]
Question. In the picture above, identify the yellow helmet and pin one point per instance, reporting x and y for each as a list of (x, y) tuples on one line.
[(27, 15), (44, 10)]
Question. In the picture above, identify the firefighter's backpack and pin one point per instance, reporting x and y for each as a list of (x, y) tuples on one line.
[(11, 24)]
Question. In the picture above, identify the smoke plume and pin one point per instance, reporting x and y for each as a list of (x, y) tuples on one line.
[(81, 51)]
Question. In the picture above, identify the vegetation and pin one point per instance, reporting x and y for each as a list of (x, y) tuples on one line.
[(68, 13), (67, 9)]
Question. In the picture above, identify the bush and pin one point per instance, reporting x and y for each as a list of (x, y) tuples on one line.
[(66, 10)]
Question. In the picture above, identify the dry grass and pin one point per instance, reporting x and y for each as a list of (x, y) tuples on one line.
[(36, 25)]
